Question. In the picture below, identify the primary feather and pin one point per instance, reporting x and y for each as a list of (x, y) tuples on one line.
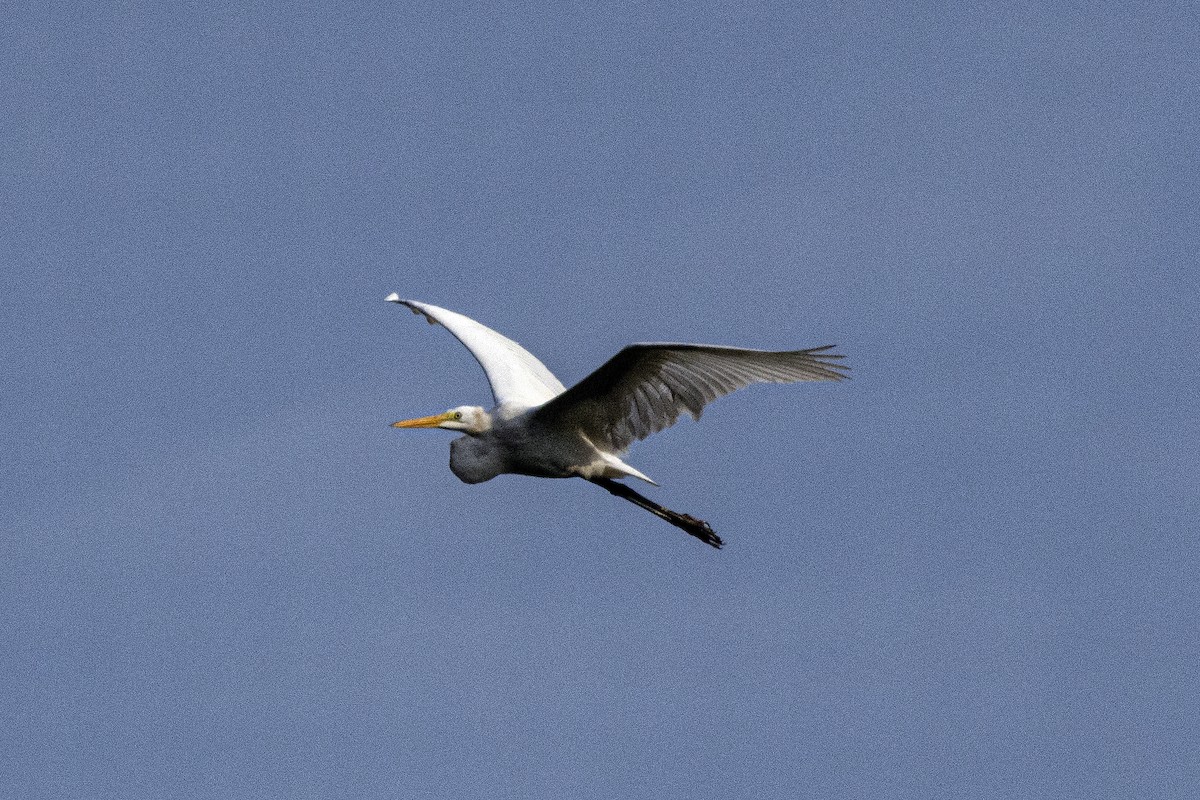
[(646, 387)]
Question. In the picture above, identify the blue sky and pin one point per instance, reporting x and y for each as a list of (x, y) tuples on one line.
[(968, 572)]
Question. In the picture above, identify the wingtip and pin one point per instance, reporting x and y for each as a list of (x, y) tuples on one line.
[(392, 298)]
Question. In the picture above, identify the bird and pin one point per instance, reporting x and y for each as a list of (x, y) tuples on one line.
[(540, 428)]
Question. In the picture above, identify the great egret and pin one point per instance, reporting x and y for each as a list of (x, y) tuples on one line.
[(539, 427)]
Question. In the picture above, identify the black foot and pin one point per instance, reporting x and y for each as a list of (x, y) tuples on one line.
[(685, 522)]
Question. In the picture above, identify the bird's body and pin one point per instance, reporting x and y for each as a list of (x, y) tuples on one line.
[(525, 445), (540, 428)]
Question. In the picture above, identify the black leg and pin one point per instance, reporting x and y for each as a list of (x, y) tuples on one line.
[(696, 527)]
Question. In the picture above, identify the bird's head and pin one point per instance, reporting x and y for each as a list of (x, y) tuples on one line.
[(472, 420)]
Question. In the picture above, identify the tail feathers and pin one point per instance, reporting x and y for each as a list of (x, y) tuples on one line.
[(619, 468)]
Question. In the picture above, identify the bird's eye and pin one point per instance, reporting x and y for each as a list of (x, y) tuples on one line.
[(458, 415)]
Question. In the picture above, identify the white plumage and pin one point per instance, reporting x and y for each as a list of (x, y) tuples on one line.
[(517, 378), (540, 428)]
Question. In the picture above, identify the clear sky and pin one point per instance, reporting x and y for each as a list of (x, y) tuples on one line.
[(970, 572)]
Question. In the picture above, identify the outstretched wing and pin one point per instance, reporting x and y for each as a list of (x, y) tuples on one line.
[(645, 387), (517, 378)]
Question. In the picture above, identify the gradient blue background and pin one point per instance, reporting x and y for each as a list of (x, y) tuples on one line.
[(971, 572)]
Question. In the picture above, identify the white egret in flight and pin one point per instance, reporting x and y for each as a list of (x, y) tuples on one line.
[(539, 427)]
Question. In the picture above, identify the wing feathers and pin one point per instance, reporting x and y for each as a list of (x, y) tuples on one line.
[(645, 387), (517, 378)]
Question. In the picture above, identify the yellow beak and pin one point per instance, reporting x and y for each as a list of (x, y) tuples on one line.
[(425, 422)]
